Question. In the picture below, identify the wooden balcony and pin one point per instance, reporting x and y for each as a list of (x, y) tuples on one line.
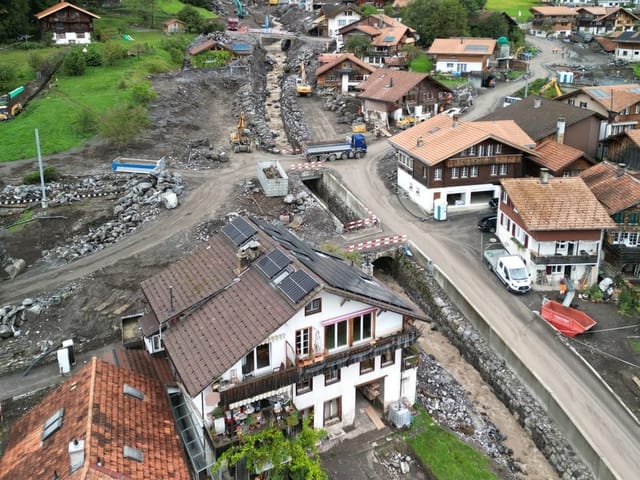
[(621, 254), (563, 259)]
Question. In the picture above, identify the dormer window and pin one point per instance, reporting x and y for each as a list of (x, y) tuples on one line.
[(53, 423), (132, 392), (314, 306), (133, 453)]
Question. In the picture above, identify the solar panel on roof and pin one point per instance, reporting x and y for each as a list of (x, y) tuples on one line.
[(596, 92), (634, 89), (476, 48), (388, 38), (273, 263), (239, 231), (297, 285)]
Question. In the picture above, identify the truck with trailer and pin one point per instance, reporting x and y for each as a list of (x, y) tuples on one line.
[(354, 146), (510, 269)]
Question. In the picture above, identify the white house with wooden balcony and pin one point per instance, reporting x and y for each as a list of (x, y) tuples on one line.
[(259, 321), (556, 225)]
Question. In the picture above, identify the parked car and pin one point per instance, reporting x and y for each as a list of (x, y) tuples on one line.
[(493, 203), (454, 111), (487, 223)]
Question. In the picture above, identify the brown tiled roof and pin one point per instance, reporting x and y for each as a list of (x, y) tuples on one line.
[(172, 21), (561, 204), (553, 11), (593, 10), (366, 29), (60, 6), (540, 122), (606, 43), (388, 85), (462, 46), (616, 189), (140, 362), (443, 138), (202, 47), (330, 61), (97, 411), (389, 36), (611, 97), (556, 156)]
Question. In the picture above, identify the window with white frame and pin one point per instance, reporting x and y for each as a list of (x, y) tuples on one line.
[(335, 336), (342, 22), (503, 169), (633, 239), (424, 172), (455, 173), (304, 385), (256, 359), (505, 197), (405, 160), (498, 148), (555, 269), (331, 376), (464, 172), (314, 306), (303, 337), (474, 171), (481, 150), (494, 170), (388, 358), (472, 150), (490, 150), (437, 174), (362, 327), (637, 108)]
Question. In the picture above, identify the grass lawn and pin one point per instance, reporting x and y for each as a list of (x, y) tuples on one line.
[(421, 64), (518, 9), (447, 456)]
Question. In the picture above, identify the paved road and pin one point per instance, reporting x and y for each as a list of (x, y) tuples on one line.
[(604, 422)]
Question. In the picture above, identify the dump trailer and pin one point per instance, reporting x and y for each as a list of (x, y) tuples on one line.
[(510, 269), (137, 165), (354, 146)]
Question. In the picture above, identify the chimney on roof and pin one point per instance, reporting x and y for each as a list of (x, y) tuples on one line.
[(76, 454), (461, 40), (621, 169), (390, 84), (246, 254), (560, 127), (537, 102), (544, 176), (419, 141), (455, 118)]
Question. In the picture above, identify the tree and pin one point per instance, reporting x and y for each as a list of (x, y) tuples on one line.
[(357, 44), (368, 10), (15, 17), (193, 20), (122, 123), (147, 9), (436, 19), (492, 26), (270, 451)]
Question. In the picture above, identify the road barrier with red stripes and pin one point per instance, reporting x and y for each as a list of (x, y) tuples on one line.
[(378, 242)]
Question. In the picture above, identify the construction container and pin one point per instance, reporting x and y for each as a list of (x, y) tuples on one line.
[(273, 179), (399, 415)]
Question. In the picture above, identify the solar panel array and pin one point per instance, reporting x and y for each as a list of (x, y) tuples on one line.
[(297, 285), (239, 231), (634, 89), (476, 48), (596, 92), (273, 263), (388, 38)]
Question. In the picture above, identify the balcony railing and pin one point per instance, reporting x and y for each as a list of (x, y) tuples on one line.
[(539, 259), (253, 387)]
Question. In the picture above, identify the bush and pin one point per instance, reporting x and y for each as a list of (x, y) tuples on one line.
[(85, 122), (159, 66), (113, 52), (122, 123), (142, 93), (50, 174), (7, 77), (93, 56), (74, 63)]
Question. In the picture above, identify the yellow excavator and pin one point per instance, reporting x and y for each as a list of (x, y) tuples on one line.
[(303, 88), (241, 138), (9, 107), (551, 83)]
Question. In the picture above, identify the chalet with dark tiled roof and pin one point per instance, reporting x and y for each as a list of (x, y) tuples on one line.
[(460, 164), (556, 225), (390, 95), (332, 18), (539, 117), (387, 35), (257, 320), (342, 72), (619, 193), (104, 422), (66, 24), (600, 20), (462, 54), (627, 46)]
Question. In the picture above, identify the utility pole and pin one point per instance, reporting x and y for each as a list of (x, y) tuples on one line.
[(42, 187)]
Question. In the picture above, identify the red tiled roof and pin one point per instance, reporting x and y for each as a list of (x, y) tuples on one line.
[(462, 46), (388, 85), (140, 362), (553, 11), (556, 156), (442, 137), (616, 189), (561, 204), (60, 6), (612, 97), (98, 412)]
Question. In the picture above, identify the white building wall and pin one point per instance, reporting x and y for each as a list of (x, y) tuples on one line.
[(452, 65), (339, 21), (71, 38), (628, 54)]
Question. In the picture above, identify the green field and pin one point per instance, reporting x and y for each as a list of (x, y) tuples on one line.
[(518, 9), (54, 113), (447, 457)]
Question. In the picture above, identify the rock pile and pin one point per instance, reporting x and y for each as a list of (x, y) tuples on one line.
[(141, 201)]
